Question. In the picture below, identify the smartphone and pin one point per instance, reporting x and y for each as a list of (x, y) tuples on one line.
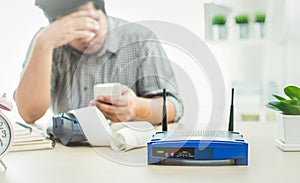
[(107, 89)]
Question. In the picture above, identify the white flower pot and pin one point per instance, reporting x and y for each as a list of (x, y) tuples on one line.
[(259, 30), (244, 31), (289, 129), (219, 32)]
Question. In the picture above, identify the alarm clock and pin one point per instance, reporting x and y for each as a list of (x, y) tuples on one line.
[(6, 130)]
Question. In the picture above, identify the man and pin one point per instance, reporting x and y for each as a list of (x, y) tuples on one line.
[(82, 47)]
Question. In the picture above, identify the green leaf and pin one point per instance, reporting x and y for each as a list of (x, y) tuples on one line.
[(290, 106), (278, 97), (276, 106), (293, 92), (285, 107), (260, 17), (242, 18), (219, 20), (292, 110), (290, 102)]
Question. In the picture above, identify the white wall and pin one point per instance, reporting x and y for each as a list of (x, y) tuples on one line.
[(19, 21), (185, 13), (292, 36)]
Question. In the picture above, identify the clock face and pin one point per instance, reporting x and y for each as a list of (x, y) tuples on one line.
[(5, 135)]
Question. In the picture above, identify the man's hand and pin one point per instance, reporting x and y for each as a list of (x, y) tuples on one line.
[(77, 25), (117, 109), (129, 107)]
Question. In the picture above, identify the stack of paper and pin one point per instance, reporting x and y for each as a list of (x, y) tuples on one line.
[(29, 138)]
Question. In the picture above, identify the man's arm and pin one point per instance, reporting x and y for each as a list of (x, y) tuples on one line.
[(129, 107), (150, 109), (33, 94)]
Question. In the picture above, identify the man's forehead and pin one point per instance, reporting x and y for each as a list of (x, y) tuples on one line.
[(57, 8)]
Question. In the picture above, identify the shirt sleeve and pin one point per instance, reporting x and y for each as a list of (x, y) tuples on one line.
[(30, 48), (156, 73)]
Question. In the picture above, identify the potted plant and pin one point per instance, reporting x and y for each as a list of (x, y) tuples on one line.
[(242, 20), (259, 25), (289, 112), (219, 27)]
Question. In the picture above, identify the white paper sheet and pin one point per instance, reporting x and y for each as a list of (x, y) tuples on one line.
[(129, 135), (94, 125)]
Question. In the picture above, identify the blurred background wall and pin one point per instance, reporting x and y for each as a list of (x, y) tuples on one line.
[(255, 66)]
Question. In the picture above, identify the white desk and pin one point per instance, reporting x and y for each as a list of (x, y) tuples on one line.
[(82, 164)]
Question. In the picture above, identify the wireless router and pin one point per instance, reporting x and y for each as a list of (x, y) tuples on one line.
[(183, 147)]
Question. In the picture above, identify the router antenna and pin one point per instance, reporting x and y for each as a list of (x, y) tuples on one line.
[(164, 113), (231, 119)]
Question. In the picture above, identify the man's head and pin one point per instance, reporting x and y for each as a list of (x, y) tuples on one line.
[(80, 15), (57, 8)]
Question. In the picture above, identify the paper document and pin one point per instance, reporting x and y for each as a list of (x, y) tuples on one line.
[(120, 136), (94, 125), (27, 137), (129, 135)]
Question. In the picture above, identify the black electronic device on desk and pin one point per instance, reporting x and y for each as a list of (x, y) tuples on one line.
[(80, 127), (198, 147), (67, 129)]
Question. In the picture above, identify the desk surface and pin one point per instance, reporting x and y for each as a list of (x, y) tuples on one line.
[(84, 164)]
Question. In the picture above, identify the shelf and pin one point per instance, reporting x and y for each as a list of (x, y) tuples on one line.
[(231, 30), (244, 42), (238, 42)]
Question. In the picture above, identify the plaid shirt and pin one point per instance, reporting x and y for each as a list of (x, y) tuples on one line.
[(131, 55)]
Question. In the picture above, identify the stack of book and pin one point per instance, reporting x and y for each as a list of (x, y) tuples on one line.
[(28, 137)]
